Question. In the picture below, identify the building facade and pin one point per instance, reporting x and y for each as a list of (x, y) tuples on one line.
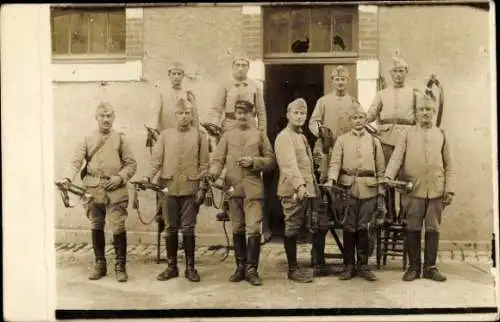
[(120, 54)]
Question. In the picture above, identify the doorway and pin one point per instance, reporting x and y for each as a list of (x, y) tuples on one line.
[(285, 83)]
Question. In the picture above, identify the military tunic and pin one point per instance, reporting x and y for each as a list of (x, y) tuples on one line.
[(163, 103), (333, 112), (246, 202), (180, 156), (295, 163), (357, 163), (393, 109), (222, 112), (114, 158), (425, 159)]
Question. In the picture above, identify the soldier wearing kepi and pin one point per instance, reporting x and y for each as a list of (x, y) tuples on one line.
[(393, 109), (164, 100), (241, 88), (332, 111), (358, 163), (246, 152), (297, 184), (181, 158), (110, 163), (423, 155)]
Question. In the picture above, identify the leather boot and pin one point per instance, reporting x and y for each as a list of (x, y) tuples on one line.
[(240, 252), (414, 250), (120, 242), (430, 255), (363, 248), (189, 245), (98, 242), (320, 268), (172, 246), (294, 273), (252, 276), (349, 243)]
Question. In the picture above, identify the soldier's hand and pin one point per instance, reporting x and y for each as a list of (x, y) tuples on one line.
[(447, 199), (112, 183), (211, 176), (301, 193), (245, 162), (64, 182)]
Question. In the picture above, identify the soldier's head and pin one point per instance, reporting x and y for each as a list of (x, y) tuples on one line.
[(398, 71), (340, 77), (184, 113), (296, 112), (105, 116), (240, 67), (357, 117), (242, 112), (426, 109), (176, 72)]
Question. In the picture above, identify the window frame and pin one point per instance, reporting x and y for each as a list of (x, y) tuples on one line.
[(334, 9), (91, 57)]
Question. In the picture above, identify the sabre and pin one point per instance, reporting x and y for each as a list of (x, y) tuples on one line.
[(143, 185), (68, 187), (405, 186)]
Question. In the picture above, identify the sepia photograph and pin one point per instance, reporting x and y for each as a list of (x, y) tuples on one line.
[(304, 159)]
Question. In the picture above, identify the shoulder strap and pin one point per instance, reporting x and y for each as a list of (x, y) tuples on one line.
[(120, 147), (97, 148), (444, 140), (414, 102), (374, 148)]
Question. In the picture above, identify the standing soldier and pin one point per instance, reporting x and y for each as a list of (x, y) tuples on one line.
[(393, 109), (110, 163), (358, 163), (181, 157), (332, 111), (241, 88), (246, 152), (424, 155), (164, 100), (297, 184)]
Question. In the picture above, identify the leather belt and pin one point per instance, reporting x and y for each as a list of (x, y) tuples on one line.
[(358, 173), (397, 121)]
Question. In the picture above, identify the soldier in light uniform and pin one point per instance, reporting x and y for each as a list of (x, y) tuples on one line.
[(111, 165), (393, 109), (332, 111), (357, 163), (246, 152), (296, 183), (181, 158), (423, 154), (241, 88), (164, 100)]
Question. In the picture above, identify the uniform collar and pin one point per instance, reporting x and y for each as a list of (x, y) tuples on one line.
[(239, 83), (291, 128), (358, 133)]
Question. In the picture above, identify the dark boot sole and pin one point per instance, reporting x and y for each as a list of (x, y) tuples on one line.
[(163, 278)]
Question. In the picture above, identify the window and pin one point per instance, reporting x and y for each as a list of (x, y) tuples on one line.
[(326, 30), (88, 32)]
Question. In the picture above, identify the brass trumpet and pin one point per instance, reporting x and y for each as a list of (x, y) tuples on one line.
[(405, 186), (67, 187)]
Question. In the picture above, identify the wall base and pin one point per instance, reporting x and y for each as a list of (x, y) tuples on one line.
[(149, 238)]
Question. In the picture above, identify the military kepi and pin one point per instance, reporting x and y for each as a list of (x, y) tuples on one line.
[(299, 103)]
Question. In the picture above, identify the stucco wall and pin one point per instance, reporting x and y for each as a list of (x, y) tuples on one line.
[(453, 42), (197, 36)]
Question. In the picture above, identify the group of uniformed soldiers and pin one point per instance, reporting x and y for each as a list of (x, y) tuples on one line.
[(409, 147)]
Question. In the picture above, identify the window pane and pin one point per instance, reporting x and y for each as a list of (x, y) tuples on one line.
[(320, 31), (299, 30), (79, 34), (60, 32), (279, 25), (342, 32), (98, 32), (116, 40)]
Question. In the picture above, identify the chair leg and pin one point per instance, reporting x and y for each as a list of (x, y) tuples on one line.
[(386, 246), (405, 251), (379, 240)]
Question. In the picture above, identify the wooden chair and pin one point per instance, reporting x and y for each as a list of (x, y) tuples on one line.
[(391, 236)]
